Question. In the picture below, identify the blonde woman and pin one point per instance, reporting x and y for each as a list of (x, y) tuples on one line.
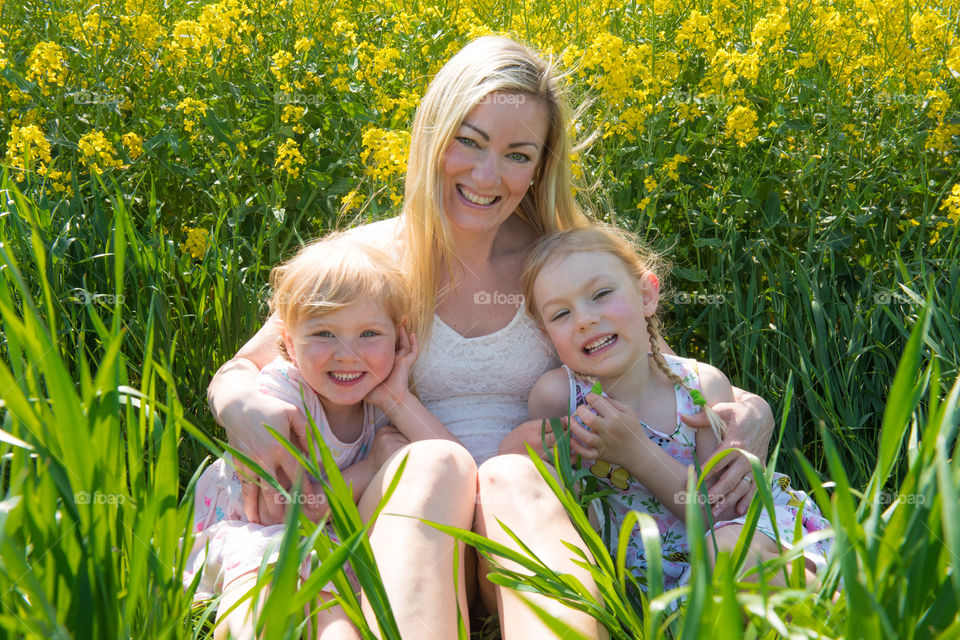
[(488, 175)]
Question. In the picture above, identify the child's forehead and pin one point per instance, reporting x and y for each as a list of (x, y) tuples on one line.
[(359, 311)]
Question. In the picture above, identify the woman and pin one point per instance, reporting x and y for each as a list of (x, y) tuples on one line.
[(488, 174)]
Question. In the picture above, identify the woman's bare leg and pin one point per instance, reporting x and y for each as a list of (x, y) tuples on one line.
[(510, 489), (331, 624), (415, 560)]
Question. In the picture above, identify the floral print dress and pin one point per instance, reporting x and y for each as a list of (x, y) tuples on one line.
[(789, 505)]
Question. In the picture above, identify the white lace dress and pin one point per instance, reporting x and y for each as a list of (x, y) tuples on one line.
[(478, 387)]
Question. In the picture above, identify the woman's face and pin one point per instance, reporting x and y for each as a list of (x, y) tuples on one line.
[(489, 164)]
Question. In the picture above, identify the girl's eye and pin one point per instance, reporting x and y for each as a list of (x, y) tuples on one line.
[(601, 293), (322, 334), (370, 333), (559, 314)]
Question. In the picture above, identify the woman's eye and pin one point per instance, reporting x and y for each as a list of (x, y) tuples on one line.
[(467, 142), (516, 156)]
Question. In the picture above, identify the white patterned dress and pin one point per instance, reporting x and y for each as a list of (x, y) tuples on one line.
[(681, 445)]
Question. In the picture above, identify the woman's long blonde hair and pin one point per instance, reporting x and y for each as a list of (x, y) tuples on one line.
[(486, 65)]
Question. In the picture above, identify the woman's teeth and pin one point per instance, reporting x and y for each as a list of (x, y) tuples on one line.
[(600, 343), (476, 198)]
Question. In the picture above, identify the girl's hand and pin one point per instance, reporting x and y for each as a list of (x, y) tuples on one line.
[(396, 387), (748, 427), (613, 432)]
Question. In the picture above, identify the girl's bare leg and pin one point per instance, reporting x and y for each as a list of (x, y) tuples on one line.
[(511, 490), (762, 549), (415, 560), (239, 623)]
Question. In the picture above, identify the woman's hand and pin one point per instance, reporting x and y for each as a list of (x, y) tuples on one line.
[(243, 410), (394, 390), (530, 432), (749, 426), (386, 442)]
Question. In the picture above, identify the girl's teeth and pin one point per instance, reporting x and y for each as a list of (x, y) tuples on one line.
[(346, 377), (476, 198), (596, 344)]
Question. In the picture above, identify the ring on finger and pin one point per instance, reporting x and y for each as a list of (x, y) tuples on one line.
[(747, 479)]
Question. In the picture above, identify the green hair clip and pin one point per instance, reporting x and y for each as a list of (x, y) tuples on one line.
[(597, 388), (698, 398)]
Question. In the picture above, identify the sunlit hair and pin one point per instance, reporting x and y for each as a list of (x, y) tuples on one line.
[(637, 259), (332, 273), (486, 65)]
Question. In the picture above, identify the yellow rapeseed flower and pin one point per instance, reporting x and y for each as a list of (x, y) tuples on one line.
[(192, 109), (289, 158), (26, 147), (96, 152), (47, 65), (196, 242), (742, 125), (133, 144), (385, 153)]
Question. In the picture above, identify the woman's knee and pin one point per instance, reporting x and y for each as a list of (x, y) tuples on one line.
[(437, 475), (512, 482)]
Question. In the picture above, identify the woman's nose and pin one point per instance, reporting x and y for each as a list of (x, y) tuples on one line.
[(485, 171)]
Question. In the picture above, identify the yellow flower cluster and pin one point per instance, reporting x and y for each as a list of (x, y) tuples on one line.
[(742, 125), (133, 144), (293, 114), (670, 167), (192, 110), (384, 153), (289, 158), (96, 152), (951, 205), (47, 65), (220, 26), (26, 148), (769, 31), (696, 31), (196, 242)]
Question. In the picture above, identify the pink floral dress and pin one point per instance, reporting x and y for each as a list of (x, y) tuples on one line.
[(226, 545), (681, 445)]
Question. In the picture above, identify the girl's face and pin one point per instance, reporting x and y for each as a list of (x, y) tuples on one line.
[(594, 312), (489, 164), (343, 355)]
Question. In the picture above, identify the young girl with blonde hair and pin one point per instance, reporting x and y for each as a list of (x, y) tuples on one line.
[(595, 292), (341, 304)]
